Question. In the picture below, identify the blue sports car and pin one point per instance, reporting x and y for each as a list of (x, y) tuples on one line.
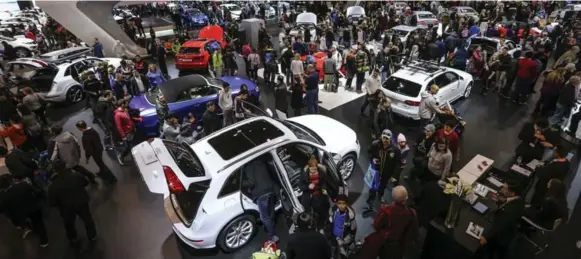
[(195, 18), (184, 95)]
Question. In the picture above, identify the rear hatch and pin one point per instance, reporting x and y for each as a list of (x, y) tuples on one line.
[(190, 54), (403, 93), (169, 167)]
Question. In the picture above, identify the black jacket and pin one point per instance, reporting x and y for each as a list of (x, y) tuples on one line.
[(280, 97), (20, 163), (286, 59), (91, 143), (93, 87), (105, 111), (551, 210), (135, 88), (259, 180), (7, 109), (567, 95), (382, 119), (389, 159), (552, 170), (307, 245), (21, 199), (506, 220), (67, 191), (212, 122)]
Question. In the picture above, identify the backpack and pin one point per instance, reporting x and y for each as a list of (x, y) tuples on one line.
[(268, 251)]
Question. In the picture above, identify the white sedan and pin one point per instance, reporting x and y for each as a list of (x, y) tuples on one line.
[(24, 47)]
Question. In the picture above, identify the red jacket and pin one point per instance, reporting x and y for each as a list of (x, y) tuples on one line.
[(123, 122), (396, 226), (452, 138), (527, 68), (15, 133)]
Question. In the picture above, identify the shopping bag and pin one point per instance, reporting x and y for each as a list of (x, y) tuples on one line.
[(371, 178)]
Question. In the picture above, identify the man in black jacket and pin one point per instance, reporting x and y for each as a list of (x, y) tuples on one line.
[(67, 193), (386, 160), (23, 203), (558, 168), (19, 163), (92, 87), (7, 108), (105, 109), (307, 243), (211, 120), (506, 220), (139, 83), (93, 148)]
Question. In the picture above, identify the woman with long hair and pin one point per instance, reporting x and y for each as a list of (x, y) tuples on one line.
[(552, 84), (34, 103), (439, 162), (477, 62), (155, 76)]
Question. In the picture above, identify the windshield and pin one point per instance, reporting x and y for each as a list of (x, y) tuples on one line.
[(303, 132), (426, 16), (215, 81), (488, 45), (402, 86), (194, 12), (233, 8), (467, 10), (401, 33)]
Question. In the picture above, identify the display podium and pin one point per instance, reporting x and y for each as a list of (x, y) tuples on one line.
[(251, 28)]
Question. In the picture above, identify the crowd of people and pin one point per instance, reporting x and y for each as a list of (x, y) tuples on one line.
[(44, 153)]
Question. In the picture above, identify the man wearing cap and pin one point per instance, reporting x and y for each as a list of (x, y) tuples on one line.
[(387, 160), (429, 105)]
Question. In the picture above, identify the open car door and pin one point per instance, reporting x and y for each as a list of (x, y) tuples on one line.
[(255, 111), (288, 198)]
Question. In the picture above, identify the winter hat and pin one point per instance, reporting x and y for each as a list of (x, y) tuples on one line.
[(386, 134), (401, 138)]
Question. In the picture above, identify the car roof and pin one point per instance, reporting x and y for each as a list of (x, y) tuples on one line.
[(215, 163), (404, 28), (63, 51), (423, 12), (173, 87)]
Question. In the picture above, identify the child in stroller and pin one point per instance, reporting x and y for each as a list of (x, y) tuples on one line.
[(450, 115)]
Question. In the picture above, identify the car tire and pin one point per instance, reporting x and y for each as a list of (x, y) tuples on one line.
[(349, 161), (74, 94), (468, 90), (239, 223), (22, 52)]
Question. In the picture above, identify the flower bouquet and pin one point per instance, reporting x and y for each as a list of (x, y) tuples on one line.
[(459, 192)]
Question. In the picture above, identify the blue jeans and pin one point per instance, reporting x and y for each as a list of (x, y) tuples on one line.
[(312, 99), (384, 76), (266, 211), (557, 117)]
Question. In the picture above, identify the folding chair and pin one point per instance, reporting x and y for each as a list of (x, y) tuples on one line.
[(543, 231)]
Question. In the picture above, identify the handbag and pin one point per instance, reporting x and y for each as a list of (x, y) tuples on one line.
[(371, 178)]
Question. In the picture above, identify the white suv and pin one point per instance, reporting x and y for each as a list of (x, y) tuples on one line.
[(405, 86), (56, 83), (204, 197)]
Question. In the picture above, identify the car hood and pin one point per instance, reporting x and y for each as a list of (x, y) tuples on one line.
[(140, 103), (337, 136), (23, 41), (235, 82), (306, 18), (212, 32)]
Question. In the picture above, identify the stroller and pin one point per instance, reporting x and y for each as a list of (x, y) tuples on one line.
[(454, 116)]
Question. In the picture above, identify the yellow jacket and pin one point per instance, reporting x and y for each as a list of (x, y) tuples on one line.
[(217, 60), (176, 47)]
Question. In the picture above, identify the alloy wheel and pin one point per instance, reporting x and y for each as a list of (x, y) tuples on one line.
[(239, 234), (468, 90), (75, 95), (346, 168)]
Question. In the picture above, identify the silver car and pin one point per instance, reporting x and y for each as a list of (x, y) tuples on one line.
[(63, 55)]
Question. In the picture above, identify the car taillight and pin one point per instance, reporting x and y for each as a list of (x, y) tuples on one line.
[(173, 182), (412, 103), (422, 22), (149, 140)]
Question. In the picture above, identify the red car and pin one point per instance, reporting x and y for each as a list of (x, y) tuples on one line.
[(319, 60), (195, 54)]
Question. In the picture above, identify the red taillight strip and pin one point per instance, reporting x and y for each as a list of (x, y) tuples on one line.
[(173, 182)]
